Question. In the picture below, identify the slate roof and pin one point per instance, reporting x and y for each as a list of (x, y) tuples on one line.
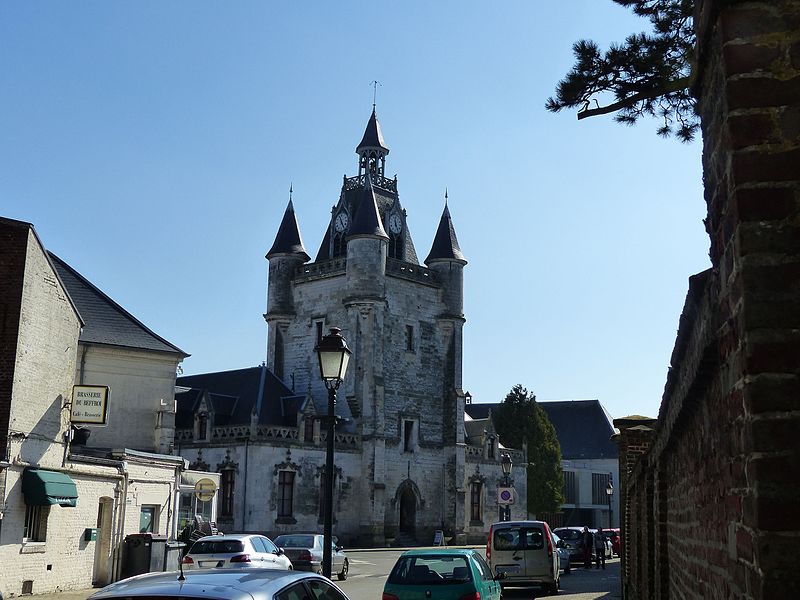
[(368, 219), (373, 136), (235, 395), (385, 200), (288, 240), (445, 243), (583, 427), (106, 322)]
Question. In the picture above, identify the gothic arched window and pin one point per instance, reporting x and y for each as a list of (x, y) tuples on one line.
[(339, 245)]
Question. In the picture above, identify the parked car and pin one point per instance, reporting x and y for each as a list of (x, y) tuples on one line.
[(443, 574), (616, 539), (571, 536), (563, 553), (235, 551), (224, 584), (525, 553), (305, 552)]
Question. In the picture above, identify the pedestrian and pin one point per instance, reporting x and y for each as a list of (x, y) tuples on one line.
[(587, 541), (600, 548)]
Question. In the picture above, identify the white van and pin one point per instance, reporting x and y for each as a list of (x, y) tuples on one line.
[(525, 553)]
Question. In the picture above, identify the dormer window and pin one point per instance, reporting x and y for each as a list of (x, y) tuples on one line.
[(202, 426), (490, 447)]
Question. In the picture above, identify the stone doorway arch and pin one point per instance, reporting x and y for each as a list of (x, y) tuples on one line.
[(408, 501)]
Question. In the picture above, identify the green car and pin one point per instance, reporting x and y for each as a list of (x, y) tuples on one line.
[(441, 574)]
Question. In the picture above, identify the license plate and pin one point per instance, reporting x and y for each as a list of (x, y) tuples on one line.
[(510, 569), (208, 564)]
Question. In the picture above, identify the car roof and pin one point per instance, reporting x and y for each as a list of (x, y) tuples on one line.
[(213, 583), (229, 536), (517, 523), (439, 552)]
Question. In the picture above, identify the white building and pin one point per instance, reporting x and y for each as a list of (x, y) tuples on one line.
[(66, 507)]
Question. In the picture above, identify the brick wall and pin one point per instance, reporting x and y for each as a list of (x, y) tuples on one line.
[(711, 507)]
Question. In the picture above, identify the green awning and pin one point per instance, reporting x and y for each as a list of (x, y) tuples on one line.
[(43, 488)]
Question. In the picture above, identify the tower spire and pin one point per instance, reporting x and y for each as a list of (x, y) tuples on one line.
[(372, 150)]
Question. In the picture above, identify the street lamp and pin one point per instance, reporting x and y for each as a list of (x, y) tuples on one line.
[(333, 358), (609, 493), (506, 464)]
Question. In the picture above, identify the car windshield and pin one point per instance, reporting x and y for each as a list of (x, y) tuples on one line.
[(295, 541), (217, 547), (568, 534), (434, 569)]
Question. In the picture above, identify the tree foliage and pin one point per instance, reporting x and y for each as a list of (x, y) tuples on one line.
[(649, 74), (520, 419)]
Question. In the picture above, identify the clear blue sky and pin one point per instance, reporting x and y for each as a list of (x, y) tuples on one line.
[(152, 145)]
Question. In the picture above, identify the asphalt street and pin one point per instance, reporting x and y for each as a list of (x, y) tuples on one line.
[(369, 569)]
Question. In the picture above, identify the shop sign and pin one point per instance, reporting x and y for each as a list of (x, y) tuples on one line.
[(89, 405)]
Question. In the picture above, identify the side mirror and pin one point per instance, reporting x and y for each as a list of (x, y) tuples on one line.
[(280, 551), (339, 548), (560, 544)]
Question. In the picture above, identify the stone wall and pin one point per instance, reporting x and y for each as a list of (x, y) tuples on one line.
[(711, 500)]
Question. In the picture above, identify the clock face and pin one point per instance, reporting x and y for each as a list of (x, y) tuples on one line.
[(341, 222), (395, 223)]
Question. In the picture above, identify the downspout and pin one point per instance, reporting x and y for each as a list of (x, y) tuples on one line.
[(116, 566), (244, 487)]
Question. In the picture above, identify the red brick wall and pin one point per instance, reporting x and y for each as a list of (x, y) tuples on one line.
[(713, 507), (13, 248)]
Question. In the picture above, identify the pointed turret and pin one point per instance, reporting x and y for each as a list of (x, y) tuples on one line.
[(287, 253), (372, 150), (368, 219), (288, 240), (367, 245), (447, 261), (445, 243)]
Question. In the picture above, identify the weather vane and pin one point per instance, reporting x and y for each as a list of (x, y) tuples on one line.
[(375, 83)]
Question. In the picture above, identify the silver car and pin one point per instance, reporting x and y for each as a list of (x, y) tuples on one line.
[(305, 552), (224, 584), (235, 551)]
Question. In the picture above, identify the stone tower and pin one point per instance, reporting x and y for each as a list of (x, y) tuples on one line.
[(402, 396)]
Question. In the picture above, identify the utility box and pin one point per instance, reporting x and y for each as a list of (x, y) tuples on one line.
[(90, 534)]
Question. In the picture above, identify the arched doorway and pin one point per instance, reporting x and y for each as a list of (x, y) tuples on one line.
[(408, 510)]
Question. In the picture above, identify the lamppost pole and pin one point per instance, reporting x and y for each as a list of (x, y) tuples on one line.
[(327, 532), (333, 356), (506, 465), (609, 493)]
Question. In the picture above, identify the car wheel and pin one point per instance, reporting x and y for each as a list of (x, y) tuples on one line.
[(342, 575)]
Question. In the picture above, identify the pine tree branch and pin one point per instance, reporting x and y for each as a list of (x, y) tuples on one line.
[(672, 86)]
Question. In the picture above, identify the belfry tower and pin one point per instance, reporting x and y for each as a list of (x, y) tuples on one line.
[(399, 453)]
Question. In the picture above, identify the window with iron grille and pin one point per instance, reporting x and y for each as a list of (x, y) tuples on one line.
[(570, 487), (227, 483), (599, 483), (285, 493), (475, 512), (35, 523)]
